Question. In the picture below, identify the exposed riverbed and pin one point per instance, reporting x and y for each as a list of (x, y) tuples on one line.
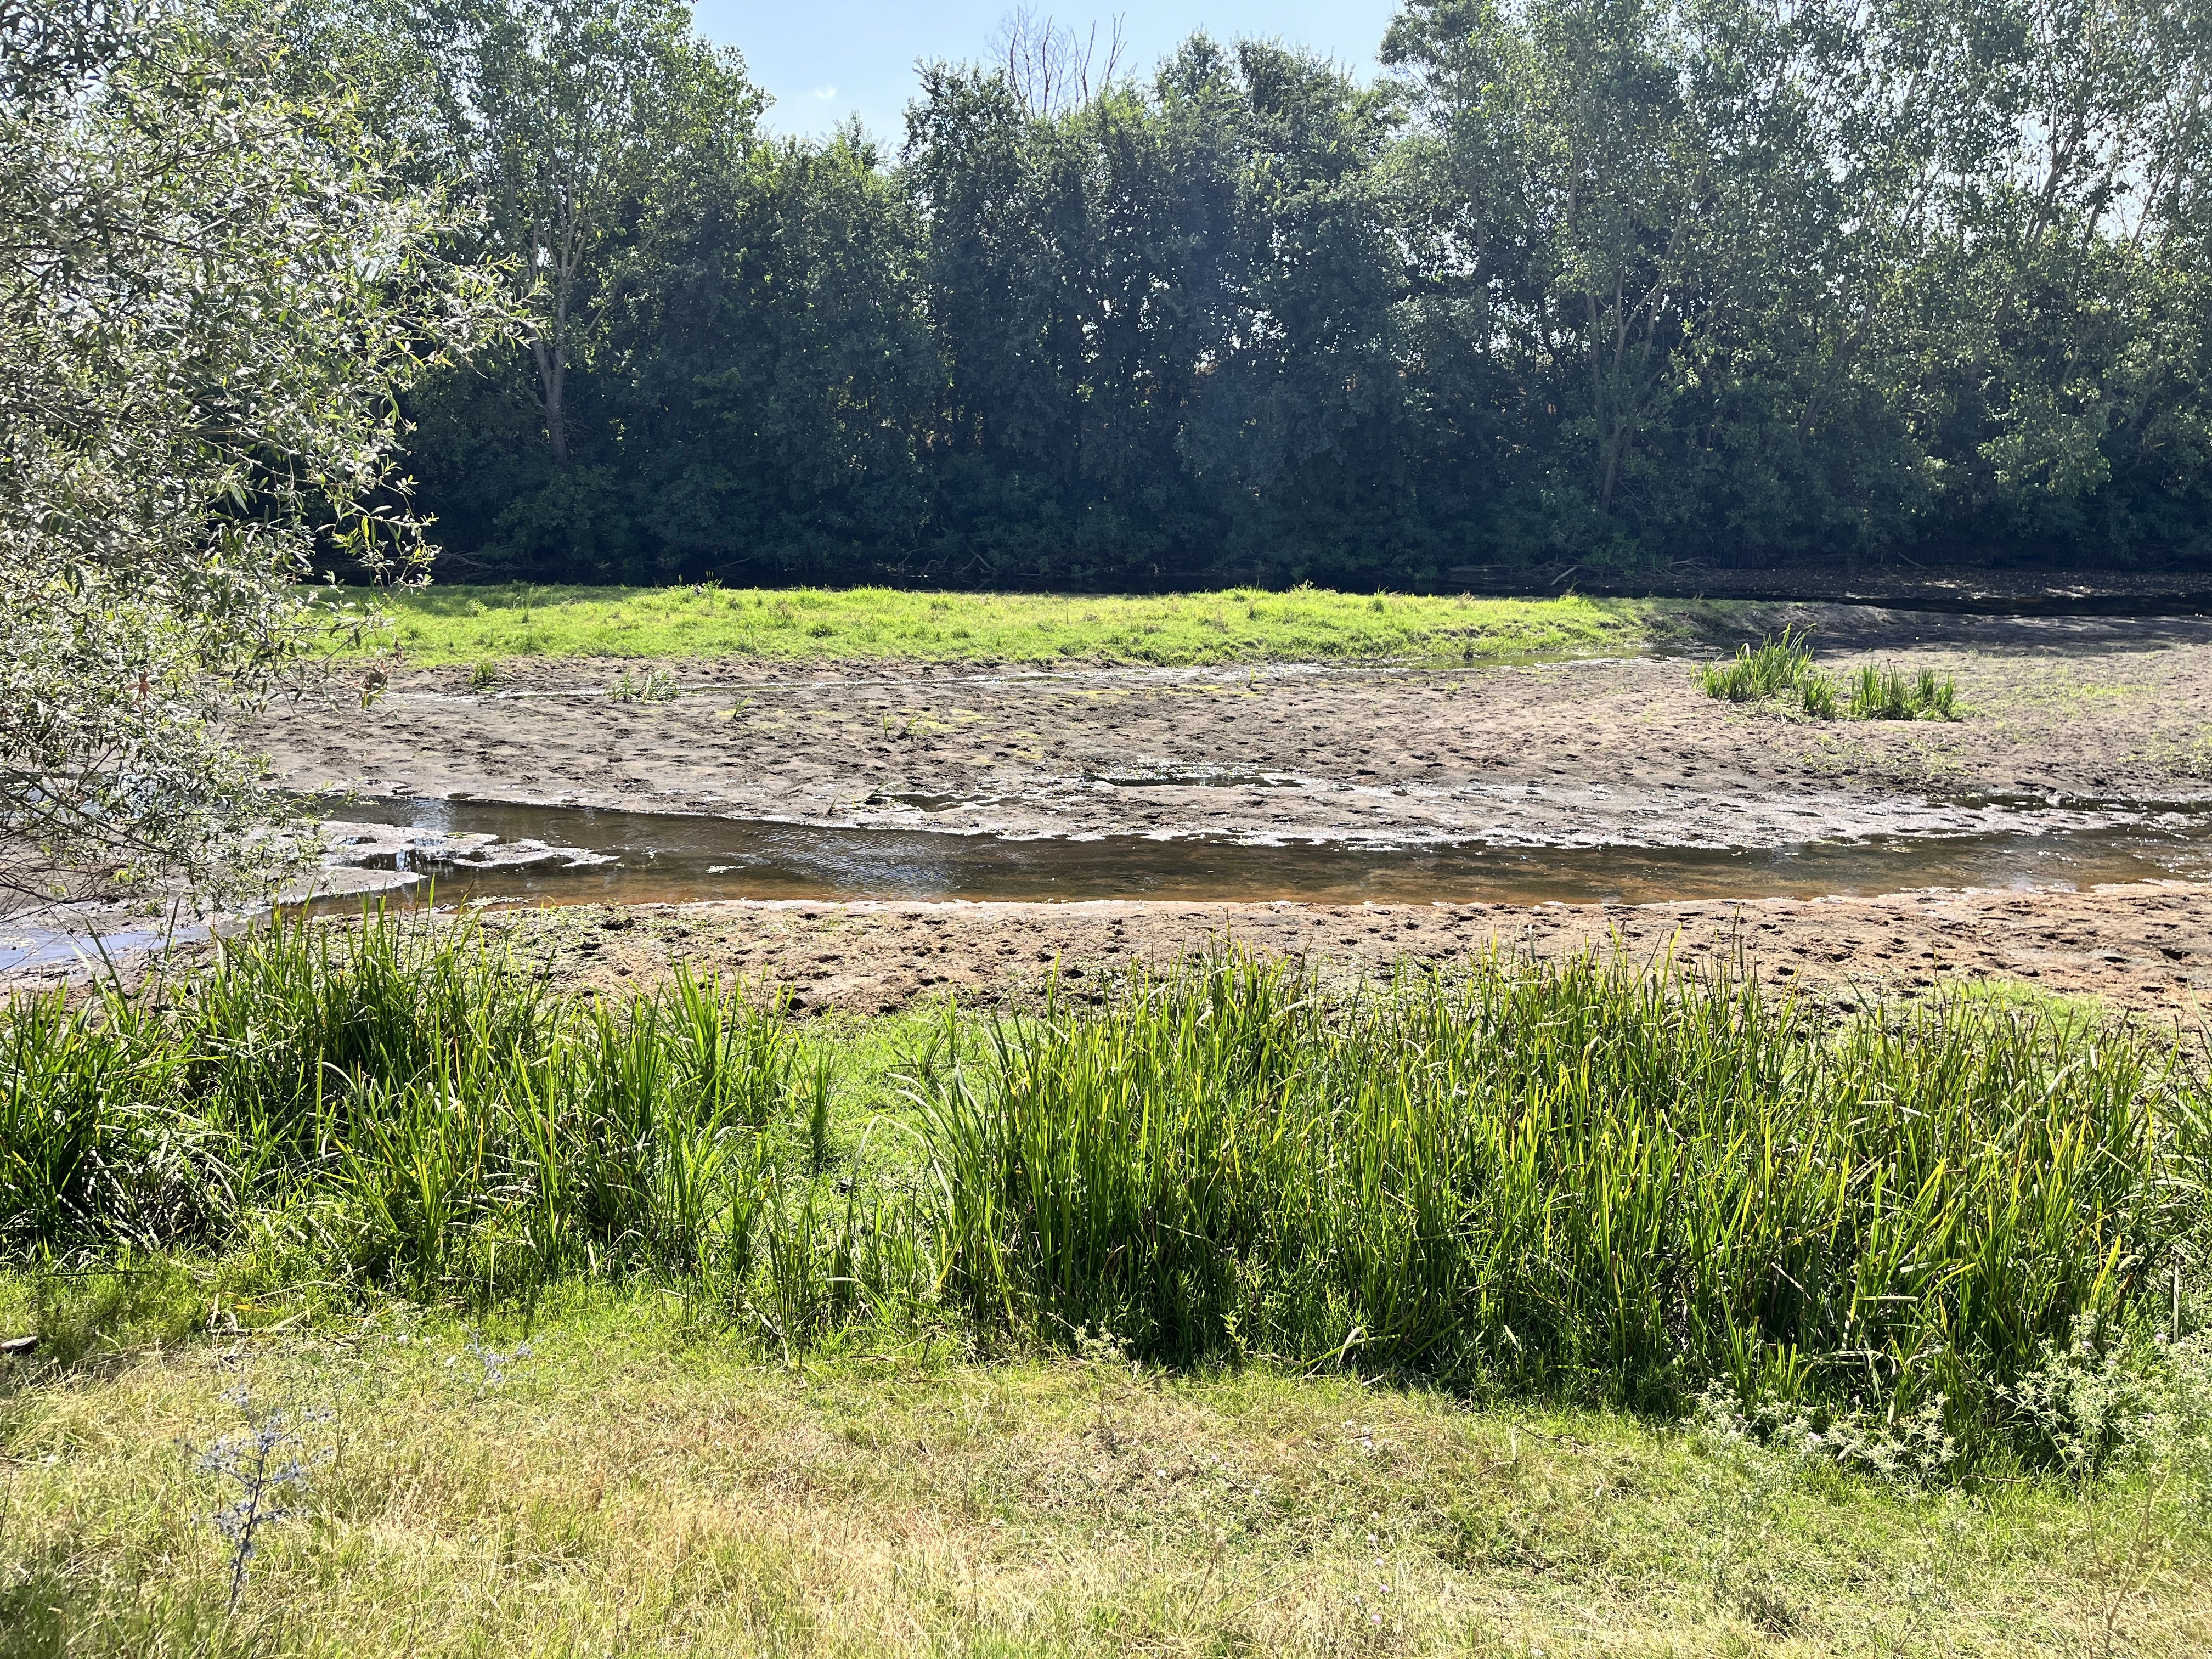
[(869, 832)]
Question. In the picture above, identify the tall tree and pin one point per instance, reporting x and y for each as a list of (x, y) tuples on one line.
[(570, 111)]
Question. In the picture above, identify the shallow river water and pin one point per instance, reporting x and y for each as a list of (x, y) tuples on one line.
[(646, 858)]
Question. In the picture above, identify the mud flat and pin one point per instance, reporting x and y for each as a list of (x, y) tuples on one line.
[(2144, 949), (2074, 726), (2089, 711)]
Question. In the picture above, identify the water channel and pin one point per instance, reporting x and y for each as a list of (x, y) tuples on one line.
[(613, 857)]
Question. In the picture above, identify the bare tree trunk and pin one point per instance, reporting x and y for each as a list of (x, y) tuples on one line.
[(552, 374)]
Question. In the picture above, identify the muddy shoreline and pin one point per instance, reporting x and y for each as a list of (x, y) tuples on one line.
[(2145, 949), (2068, 722)]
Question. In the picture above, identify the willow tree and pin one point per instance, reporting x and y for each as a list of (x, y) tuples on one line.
[(211, 286)]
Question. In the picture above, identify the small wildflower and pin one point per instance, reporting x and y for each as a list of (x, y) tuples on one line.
[(494, 1362), (263, 1462)]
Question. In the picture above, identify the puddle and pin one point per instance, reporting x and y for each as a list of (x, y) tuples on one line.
[(1196, 778), (28, 948), (578, 854)]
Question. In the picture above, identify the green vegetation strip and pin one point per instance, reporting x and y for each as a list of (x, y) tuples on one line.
[(1781, 669), (1576, 1182), (442, 624)]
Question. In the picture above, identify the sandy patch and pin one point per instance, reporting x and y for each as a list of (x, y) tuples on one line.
[(2146, 948)]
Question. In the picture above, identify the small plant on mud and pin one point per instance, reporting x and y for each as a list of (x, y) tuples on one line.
[(655, 685), (483, 677), (1886, 694), (262, 1462), (1780, 666)]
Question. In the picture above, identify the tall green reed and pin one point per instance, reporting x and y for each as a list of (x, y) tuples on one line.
[(1780, 666), (1887, 694), (1583, 1178), (1578, 1178), (406, 1106)]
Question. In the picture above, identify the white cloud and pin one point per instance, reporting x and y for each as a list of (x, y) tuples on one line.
[(825, 92)]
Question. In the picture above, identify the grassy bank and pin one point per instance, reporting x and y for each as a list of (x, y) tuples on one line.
[(1556, 1308), (638, 1483), (442, 624), (1570, 1182)]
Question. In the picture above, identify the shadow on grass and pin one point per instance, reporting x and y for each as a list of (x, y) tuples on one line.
[(86, 1318)]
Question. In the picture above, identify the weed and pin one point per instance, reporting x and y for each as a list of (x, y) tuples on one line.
[(1886, 694), (817, 1110), (655, 685), (264, 1461), (495, 1361), (483, 677)]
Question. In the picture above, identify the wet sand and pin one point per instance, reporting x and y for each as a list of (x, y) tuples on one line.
[(2065, 719), (2144, 949)]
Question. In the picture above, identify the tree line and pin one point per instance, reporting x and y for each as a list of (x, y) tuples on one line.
[(1606, 284)]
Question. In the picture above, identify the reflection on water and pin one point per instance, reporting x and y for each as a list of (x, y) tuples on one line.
[(673, 858)]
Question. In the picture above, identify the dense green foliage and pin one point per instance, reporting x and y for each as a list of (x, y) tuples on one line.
[(1577, 1177), (212, 289), (1579, 1180), (1596, 282)]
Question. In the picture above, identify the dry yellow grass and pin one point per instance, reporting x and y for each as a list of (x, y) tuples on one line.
[(638, 1487)]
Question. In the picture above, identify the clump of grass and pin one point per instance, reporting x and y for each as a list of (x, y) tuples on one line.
[(420, 1114), (1887, 694), (655, 685), (483, 677), (1779, 667), (1577, 1181)]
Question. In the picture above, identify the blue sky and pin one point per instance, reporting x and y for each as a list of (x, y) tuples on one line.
[(826, 59)]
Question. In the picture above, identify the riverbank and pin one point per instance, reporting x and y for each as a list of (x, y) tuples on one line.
[(2059, 716), (2145, 949)]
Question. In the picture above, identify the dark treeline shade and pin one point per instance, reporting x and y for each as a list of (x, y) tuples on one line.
[(1600, 282)]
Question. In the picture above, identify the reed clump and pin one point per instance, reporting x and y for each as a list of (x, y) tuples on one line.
[(1579, 1180), (1780, 666), (399, 1108), (1889, 694)]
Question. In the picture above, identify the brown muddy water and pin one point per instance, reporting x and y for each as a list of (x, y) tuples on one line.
[(666, 858)]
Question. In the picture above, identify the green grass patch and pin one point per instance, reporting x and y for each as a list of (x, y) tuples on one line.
[(1891, 694), (489, 625), (1779, 667)]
